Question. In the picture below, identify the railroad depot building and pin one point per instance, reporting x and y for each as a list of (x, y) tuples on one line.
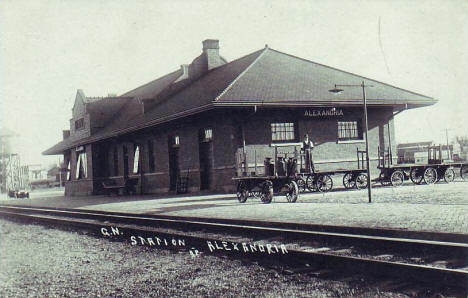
[(195, 122)]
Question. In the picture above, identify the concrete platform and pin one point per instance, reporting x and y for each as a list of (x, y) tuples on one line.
[(438, 208)]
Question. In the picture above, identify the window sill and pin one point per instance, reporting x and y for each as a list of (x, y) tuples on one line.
[(350, 141), (285, 144)]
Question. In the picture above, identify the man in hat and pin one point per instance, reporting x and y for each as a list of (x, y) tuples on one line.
[(307, 147)]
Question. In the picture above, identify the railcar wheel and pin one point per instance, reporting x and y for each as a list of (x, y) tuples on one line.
[(324, 183), (384, 180), (267, 192), (417, 175), (397, 178), (256, 194), (242, 192), (361, 181), (348, 181), (301, 184), (464, 172), (449, 175), (430, 175), (310, 183), (292, 192)]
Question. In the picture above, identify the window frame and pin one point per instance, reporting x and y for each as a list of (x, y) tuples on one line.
[(136, 159), (284, 129), (208, 134), (352, 133), (79, 124), (69, 171), (81, 163), (174, 141)]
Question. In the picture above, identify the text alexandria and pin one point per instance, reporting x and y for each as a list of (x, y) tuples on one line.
[(322, 113)]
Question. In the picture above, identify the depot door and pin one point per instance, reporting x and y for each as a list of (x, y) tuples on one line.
[(205, 158), (174, 169)]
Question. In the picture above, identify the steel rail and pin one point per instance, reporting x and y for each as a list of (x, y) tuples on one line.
[(422, 273), (456, 248), (385, 232)]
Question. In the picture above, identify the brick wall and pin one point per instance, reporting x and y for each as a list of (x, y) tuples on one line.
[(227, 139)]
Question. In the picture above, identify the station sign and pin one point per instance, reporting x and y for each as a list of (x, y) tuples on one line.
[(323, 112)]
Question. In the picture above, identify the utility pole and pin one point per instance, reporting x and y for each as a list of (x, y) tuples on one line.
[(337, 90), (369, 186)]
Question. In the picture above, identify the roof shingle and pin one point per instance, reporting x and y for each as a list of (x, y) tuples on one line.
[(266, 76), (279, 77)]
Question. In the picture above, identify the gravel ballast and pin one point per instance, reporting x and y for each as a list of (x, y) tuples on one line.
[(36, 261)]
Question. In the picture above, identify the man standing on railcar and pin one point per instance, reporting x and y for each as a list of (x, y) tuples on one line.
[(307, 147)]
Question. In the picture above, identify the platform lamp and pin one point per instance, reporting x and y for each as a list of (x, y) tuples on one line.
[(337, 90)]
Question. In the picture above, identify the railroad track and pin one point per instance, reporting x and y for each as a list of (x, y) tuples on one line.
[(435, 259)]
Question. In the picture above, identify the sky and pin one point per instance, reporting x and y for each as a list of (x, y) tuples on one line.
[(49, 49)]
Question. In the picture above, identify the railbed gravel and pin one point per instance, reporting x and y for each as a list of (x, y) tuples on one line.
[(37, 261)]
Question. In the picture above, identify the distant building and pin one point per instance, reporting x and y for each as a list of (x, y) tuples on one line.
[(410, 152), (56, 176), (37, 172), (194, 122), (418, 152)]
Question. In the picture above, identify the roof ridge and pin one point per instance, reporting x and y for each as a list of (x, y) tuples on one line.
[(366, 78), (240, 75), (157, 79), (191, 82)]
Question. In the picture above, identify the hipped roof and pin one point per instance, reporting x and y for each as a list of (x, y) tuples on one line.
[(266, 78)]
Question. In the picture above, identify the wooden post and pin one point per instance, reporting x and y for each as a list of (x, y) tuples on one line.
[(389, 144), (255, 155), (275, 161), (369, 187), (243, 150), (357, 156), (140, 161)]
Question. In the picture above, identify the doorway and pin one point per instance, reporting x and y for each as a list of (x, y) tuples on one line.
[(125, 161), (205, 158), (174, 170)]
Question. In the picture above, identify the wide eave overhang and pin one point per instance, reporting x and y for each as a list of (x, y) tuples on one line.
[(68, 144)]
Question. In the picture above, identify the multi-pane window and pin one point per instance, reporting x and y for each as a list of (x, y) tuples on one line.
[(79, 124), (151, 156), (81, 166), (284, 131), (348, 130), (208, 134)]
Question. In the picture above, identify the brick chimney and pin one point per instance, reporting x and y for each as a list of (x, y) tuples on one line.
[(66, 134), (211, 53)]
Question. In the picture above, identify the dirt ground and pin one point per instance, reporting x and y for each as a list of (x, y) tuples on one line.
[(36, 261)]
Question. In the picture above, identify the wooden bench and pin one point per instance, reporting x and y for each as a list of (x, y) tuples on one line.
[(128, 187)]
